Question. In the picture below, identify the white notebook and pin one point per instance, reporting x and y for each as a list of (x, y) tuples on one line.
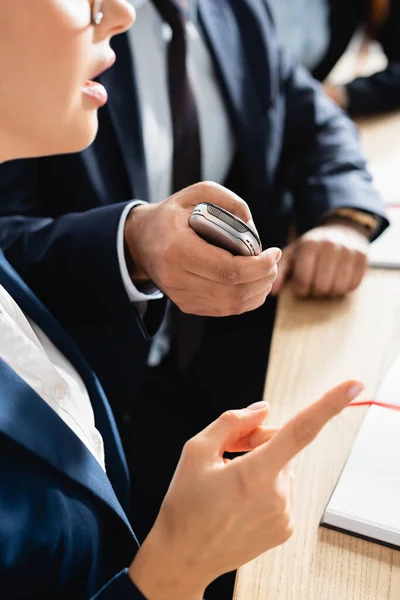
[(366, 500)]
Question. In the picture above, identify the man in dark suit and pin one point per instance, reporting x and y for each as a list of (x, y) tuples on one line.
[(265, 128)]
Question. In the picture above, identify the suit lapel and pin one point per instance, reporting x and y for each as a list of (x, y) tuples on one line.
[(29, 421), (124, 110), (247, 104), (115, 459), (221, 27)]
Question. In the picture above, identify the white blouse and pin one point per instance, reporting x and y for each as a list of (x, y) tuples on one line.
[(25, 348)]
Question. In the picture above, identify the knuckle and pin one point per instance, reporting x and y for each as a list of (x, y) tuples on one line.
[(301, 279), (261, 299), (273, 274), (206, 187), (192, 447), (229, 275), (265, 295), (231, 417), (330, 247), (270, 275), (286, 517), (240, 292), (346, 254), (308, 245), (288, 530), (238, 299), (280, 503), (285, 524)]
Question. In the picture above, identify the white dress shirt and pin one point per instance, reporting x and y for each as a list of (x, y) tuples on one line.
[(25, 348), (149, 39)]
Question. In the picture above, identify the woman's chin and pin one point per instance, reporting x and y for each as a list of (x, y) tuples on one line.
[(73, 136), (81, 136)]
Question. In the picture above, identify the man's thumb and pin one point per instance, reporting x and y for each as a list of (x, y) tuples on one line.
[(284, 268), (233, 425)]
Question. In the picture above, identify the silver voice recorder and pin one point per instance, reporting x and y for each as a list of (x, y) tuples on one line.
[(221, 228)]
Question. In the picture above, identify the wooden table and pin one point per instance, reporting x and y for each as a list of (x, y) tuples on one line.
[(317, 344)]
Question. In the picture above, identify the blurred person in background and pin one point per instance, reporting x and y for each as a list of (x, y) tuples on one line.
[(318, 33)]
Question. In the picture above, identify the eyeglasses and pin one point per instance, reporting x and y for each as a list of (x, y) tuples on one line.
[(96, 12)]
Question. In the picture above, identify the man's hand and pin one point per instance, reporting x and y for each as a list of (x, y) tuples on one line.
[(327, 261), (219, 514), (198, 277)]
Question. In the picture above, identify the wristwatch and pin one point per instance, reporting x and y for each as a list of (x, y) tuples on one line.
[(364, 219)]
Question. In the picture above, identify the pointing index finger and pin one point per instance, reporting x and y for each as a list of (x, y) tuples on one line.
[(300, 431)]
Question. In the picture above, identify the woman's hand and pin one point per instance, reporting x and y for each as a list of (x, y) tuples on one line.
[(219, 514)]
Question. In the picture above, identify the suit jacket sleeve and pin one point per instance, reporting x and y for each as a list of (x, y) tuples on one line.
[(322, 161), (71, 262), (381, 91)]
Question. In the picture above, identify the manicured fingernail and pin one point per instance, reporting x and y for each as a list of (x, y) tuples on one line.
[(354, 390), (258, 406)]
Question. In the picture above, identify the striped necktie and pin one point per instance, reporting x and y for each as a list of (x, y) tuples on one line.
[(187, 153)]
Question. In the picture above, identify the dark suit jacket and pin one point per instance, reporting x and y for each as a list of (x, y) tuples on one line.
[(59, 215), (381, 91), (64, 528)]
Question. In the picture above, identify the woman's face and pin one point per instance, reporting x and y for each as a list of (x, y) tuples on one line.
[(49, 51)]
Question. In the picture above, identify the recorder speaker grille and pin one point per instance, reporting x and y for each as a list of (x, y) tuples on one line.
[(226, 219)]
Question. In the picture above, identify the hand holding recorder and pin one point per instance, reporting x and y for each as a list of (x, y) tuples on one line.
[(199, 277)]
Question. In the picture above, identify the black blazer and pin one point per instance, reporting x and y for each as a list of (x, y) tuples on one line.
[(381, 91), (64, 523), (59, 215)]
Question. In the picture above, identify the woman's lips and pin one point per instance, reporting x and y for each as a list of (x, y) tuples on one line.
[(96, 91)]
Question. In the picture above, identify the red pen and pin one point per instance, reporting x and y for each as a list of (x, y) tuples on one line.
[(375, 403)]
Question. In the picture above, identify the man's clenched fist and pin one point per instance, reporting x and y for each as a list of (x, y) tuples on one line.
[(327, 261)]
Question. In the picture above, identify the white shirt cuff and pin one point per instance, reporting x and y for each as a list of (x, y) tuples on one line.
[(132, 291)]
